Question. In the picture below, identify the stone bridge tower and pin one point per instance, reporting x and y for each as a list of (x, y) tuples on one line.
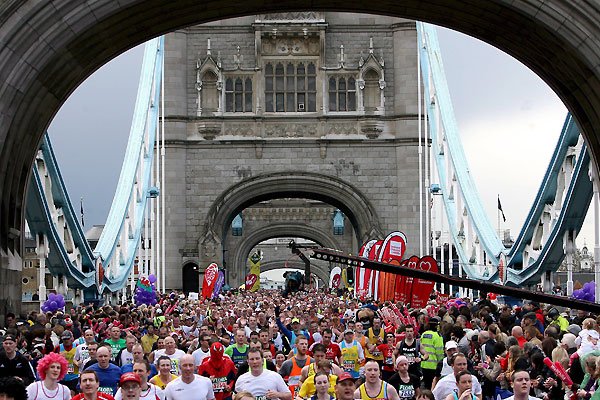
[(279, 123)]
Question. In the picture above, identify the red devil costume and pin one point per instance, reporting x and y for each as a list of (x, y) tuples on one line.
[(220, 370)]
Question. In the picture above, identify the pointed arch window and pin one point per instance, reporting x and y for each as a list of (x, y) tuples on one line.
[(238, 94), (291, 87), (342, 93)]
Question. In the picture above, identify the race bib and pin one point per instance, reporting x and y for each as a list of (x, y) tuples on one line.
[(70, 369), (293, 380), (348, 365), (219, 384), (105, 389), (389, 361)]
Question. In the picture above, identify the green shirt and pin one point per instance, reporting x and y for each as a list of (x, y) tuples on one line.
[(115, 347)]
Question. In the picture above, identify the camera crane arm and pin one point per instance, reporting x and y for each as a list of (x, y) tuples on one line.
[(339, 258)]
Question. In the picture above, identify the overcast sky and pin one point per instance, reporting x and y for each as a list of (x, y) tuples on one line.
[(509, 121)]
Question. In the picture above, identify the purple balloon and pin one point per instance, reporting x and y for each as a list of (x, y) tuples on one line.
[(53, 304), (152, 278)]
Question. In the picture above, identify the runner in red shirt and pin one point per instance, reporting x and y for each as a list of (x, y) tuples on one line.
[(89, 384), (220, 370)]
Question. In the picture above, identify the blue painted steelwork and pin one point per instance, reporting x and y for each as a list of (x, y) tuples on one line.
[(120, 238), (441, 114), (60, 261), (573, 208)]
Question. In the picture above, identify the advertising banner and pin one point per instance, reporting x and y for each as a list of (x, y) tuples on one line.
[(210, 278)]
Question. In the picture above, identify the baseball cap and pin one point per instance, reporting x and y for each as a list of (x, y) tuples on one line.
[(295, 320), (66, 335), (348, 331), (594, 334), (129, 377), (10, 337), (344, 376), (451, 344)]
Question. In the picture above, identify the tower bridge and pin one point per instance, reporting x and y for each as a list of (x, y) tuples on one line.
[(42, 66)]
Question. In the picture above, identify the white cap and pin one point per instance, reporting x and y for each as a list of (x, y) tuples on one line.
[(451, 344)]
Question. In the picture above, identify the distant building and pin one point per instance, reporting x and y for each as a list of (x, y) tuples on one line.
[(583, 269)]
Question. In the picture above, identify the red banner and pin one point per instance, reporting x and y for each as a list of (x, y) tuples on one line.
[(412, 263), (392, 250), (442, 298), (422, 288), (210, 278)]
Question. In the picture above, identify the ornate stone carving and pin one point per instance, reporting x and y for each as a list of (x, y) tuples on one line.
[(291, 130), (283, 46), (239, 130), (301, 16), (209, 131), (342, 129), (209, 244)]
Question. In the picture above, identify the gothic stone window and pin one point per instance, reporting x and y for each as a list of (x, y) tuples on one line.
[(290, 87), (342, 93), (238, 94)]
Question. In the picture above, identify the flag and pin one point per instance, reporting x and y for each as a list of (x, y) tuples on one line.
[(500, 209), (81, 212)]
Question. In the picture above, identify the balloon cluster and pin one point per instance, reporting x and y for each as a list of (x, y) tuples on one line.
[(54, 303), (587, 292), (145, 291)]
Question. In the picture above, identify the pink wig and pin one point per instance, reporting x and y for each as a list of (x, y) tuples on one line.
[(50, 359)]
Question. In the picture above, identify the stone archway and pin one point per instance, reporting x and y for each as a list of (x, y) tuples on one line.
[(49, 48), (240, 255), (329, 189)]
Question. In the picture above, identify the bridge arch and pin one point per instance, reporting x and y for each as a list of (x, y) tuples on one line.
[(49, 48), (289, 184), (280, 230)]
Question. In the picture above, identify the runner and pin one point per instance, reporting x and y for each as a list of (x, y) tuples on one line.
[(173, 353), (291, 370), (374, 388), (262, 383), (189, 385), (108, 374), (220, 370), (352, 354), (90, 384), (148, 391), (51, 369), (164, 373), (405, 383)]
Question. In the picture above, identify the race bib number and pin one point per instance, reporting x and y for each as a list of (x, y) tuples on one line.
[(348, 365), (106, 390), (260, 397), (219, 384), (389, 361), (411, 359), (293, 380), (70, 369)]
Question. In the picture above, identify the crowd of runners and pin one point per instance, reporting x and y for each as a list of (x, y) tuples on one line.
[(307, 345)]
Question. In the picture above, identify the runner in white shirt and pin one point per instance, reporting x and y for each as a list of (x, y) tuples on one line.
[(81, 351), (173, 353), (51, 369), (521, 384), (203, 351), (262, 383), (148, 390), (447, 385), (189, 385)]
